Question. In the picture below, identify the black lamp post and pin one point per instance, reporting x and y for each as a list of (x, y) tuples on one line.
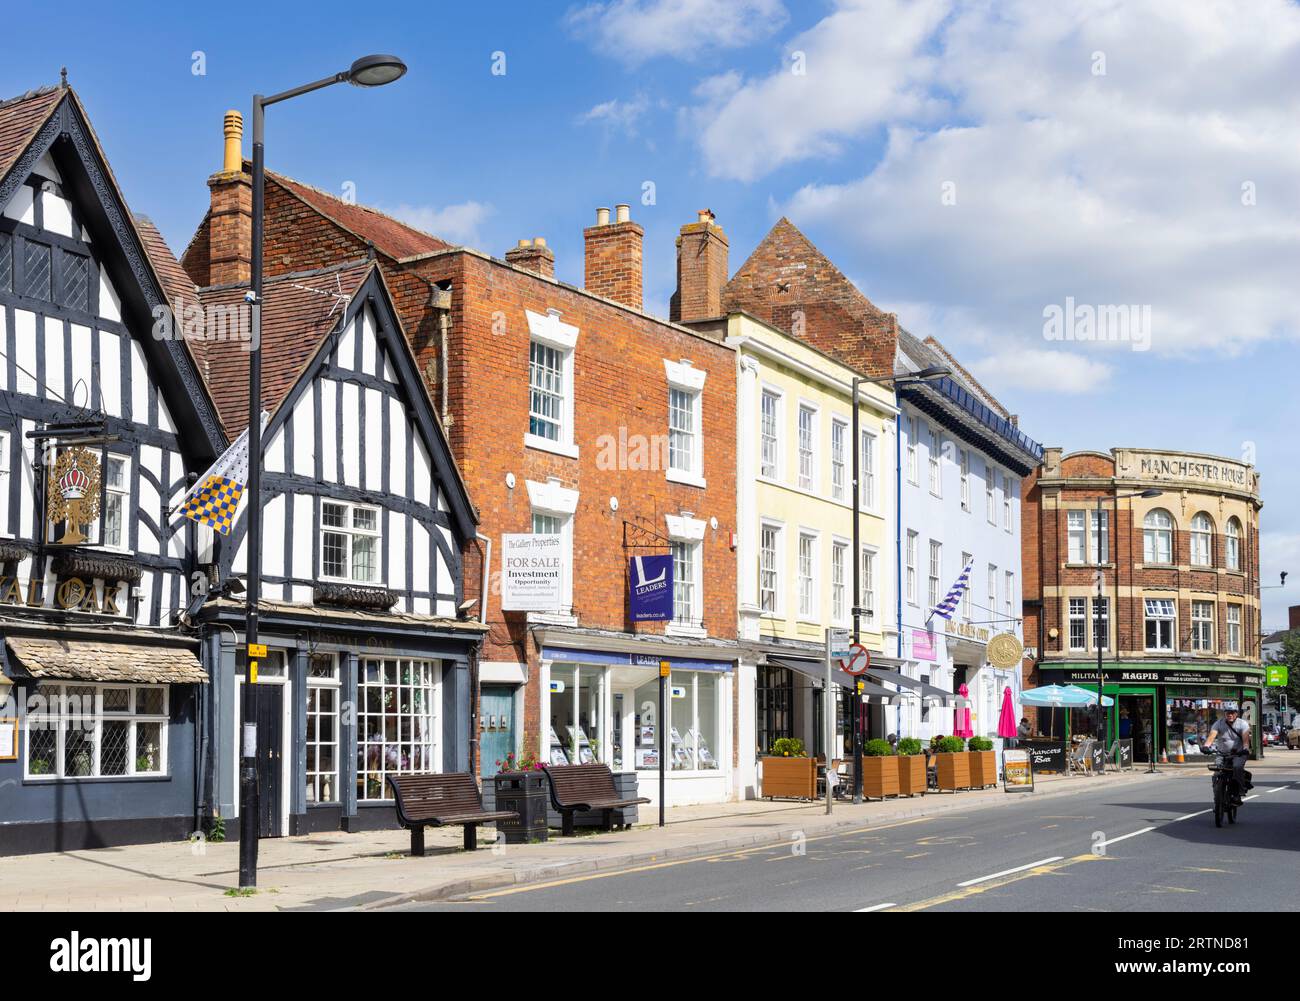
[(924, 375), (368, 71), (1101, 642)]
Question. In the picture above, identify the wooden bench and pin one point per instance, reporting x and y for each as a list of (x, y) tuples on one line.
[(585, 787), (442, 800)]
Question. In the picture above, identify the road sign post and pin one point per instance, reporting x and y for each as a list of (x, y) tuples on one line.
[(837, 649)]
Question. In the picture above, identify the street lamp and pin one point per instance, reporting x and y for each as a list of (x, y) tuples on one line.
[(928, 374), (1100, 643), (368, 71)]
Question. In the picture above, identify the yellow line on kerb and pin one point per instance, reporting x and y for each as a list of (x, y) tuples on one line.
[(649, 867), (993, 884)]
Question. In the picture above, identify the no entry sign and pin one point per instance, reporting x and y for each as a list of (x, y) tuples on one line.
[(858, 661)]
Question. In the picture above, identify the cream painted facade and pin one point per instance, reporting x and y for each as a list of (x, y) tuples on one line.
[(795, 518)]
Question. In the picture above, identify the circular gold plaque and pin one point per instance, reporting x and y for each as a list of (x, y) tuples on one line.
[(1004, 650)]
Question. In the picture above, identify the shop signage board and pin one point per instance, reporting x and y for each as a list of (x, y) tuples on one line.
[(8, 740), (532, 573), (1147, 676), (650, 579), (1047, 756), (1098, 757), (1124, 753), (1017, 771), (1276, 675), (923, 645)]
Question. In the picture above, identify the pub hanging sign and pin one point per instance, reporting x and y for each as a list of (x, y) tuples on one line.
[(74, 494)]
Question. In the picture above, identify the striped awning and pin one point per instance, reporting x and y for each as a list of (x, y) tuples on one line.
[(86, 660)]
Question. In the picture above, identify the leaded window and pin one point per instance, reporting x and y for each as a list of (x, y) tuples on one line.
[(36, 271), (96, 731)]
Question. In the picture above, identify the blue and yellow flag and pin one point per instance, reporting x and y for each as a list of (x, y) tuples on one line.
[(214, 499)]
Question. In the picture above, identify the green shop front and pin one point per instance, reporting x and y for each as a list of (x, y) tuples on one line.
[(1159, 706)]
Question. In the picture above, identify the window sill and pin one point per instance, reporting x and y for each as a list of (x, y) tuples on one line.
[(678, 476), (150, 777), (687, 632), (1090, 566), (554, 447), (552, 618)]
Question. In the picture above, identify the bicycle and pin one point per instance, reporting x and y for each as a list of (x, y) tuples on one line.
[(1221, 782)]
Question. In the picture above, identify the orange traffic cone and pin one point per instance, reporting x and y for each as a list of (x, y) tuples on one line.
[(1178, 756), (1164, 756)]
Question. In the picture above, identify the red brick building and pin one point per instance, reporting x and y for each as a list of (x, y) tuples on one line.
[(570, 411), (1177, 618)]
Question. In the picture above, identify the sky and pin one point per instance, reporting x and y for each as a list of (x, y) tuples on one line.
[(980, 168)]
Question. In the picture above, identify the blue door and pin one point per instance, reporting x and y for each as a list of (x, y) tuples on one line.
[(497, 727)]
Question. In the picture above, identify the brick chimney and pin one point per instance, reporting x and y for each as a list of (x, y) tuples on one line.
[(230, 221), (612, 262), (701, 270), (1293, 617), (534, 255)]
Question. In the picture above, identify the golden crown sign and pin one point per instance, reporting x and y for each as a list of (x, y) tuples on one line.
[(74, 493)]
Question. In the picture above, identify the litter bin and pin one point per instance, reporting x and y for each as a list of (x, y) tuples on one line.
[(524, 793)]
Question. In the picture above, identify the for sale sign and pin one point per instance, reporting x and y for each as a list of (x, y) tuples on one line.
[(533, 569)]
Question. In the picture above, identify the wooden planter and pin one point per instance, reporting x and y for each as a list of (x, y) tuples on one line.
[(911, 774), (954, 770), (880, 776), (789, 778), (983, 768)]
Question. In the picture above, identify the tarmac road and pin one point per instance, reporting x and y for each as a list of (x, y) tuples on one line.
[(1147, 847)]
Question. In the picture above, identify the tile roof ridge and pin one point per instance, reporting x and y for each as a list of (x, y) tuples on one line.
[(356, 205), (32, 95), (328, 269)]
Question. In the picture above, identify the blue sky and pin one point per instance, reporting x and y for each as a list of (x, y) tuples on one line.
[(967, 164)]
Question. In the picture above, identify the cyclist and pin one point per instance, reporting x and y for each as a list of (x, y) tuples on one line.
[(1230, 736)]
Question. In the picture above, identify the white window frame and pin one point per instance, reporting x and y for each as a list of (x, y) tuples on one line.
[(990, 488), (65, 718), (841, 599), (806, 446), (332, 684), (965, 481), (777, 531), (1076, 618), (867, 569), (1233, 631), (935, 467), (1232, 544), (993, 590), (909, 557), (867, 468), (350, 532), (806, 583), (1009, 584), (553, 500), (1102, 605), (1076, 536), (1153, 534), (4, 485), (839, 467), (935, 575), (912, 473), (1202, 638), (1006, 503), (123, 493), (966, 560), (550, 331), (1201, 540), (770, 470), (685, 531), (1166, 610), (685, 378)]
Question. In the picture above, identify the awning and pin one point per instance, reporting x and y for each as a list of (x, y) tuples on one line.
[(816, 670), (85, 660), (920, 687)]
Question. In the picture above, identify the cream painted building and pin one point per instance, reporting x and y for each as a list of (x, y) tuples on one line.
[(795, 541)]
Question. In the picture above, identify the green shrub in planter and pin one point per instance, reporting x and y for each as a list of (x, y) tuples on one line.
[(951, 745), (878, 748), (936, 740), (909, 746), (979, 744), (789, 747)]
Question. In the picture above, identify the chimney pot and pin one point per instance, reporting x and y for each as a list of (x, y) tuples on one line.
[(602, 217), (524, 243), (233, 161), (539, 241), (533, 255), (622, 213), (706, 215), (612, 257)]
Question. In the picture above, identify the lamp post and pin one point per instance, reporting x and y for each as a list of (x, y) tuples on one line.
[(368, 71), (924, 375), (1101, 642)]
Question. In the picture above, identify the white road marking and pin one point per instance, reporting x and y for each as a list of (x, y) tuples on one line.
[(1124, 837), (1008, 872), (873, 907), (1279, 789), (1249, 798), (1189, 816)]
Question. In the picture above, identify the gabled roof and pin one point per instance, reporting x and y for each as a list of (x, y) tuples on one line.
[(390, 236), (972, 383), (21, 118), (298, 311)]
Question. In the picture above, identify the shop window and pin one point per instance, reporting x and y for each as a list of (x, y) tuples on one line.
[(96, 731), (1157, 537), (4, 482), (839, 431), (349, 542), (774, 698), (770, 435), (691, 727), (1202, 626), (396, 719), (1160, 620), (1189, 715), (1232, 544), (1202, 539), (577, 717), (322, 750)]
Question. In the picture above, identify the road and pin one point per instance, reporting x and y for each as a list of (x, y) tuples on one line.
[(1150, 846)]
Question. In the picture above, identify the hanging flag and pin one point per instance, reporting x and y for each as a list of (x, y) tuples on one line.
[(214, 498), (948, 607)]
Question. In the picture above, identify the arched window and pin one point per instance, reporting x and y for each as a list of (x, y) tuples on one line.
[(1158, 537), (1202, 540), (1232, 544)]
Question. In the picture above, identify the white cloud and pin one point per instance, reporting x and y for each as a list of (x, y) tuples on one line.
[(1010, 374), (638, 30), (1117, 189), (457, 224), (620, 116)]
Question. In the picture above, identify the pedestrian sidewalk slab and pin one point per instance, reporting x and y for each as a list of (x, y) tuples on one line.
[(367, 870)]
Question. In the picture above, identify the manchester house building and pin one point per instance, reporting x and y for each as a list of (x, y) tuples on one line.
[(590, 433), (1176, 617), (102, 425)]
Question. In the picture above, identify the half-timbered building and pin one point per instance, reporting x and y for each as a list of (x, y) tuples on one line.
[(102, 425), (365, 526)]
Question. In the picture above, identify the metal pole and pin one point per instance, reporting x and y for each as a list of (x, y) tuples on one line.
[(856, 701), (248, 791), (1101, 710), (663, 726), (828, 711)]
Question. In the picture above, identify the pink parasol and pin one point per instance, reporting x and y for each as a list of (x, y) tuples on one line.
[(961, 717), (1007, 717)]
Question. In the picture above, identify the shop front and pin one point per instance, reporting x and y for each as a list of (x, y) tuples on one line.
[(603, 705), (1165, 708)]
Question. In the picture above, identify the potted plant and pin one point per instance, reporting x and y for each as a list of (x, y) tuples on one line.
[(983, 762), (879, 770), (953, 764), (911, 767), (788, 772)]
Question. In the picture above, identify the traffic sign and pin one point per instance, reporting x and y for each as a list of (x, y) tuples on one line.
[(838, 644), (257, 650), (858, 659)]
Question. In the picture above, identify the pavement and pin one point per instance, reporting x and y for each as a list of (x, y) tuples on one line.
[(374, 869), (1135, 844)]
